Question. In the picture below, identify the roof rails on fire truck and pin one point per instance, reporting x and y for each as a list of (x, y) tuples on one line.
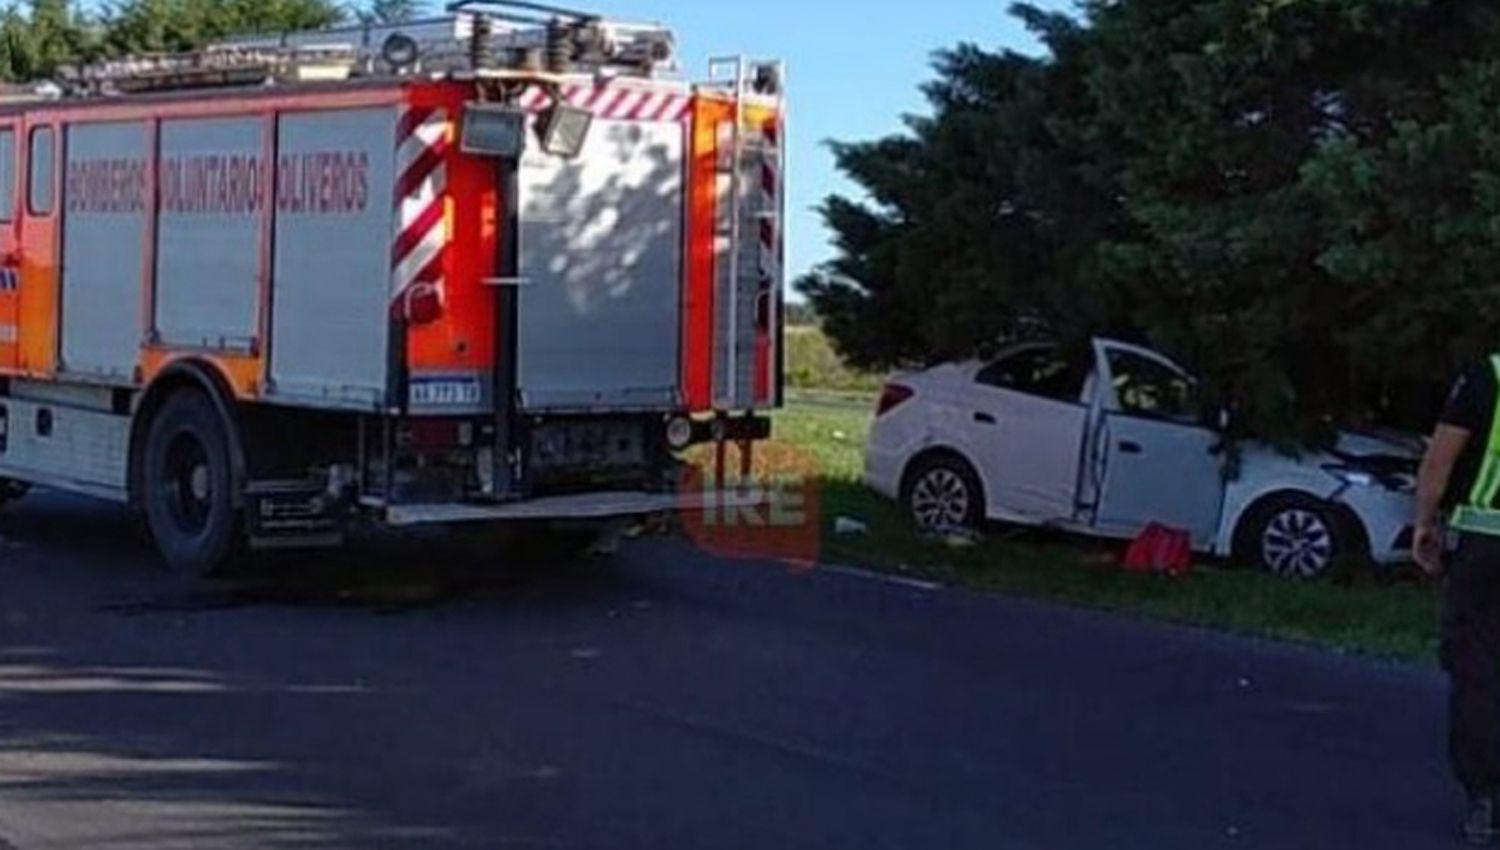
[(476, 37)]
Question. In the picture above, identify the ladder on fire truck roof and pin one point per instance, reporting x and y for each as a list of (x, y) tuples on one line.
[(477, 37)]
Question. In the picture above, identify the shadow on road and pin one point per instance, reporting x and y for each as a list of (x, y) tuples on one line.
[(383, 570), (287, 706)]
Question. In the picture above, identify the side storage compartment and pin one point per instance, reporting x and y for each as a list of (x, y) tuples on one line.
[(332, 269), (65, 436), (208, 256), (106, 225)]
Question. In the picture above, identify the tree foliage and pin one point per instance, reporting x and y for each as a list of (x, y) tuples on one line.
[(136, 26), (392, 11), (1298, 198), (41, 36)]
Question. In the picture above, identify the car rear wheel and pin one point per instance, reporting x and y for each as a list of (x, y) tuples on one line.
[(943, 493), (1295, 537)]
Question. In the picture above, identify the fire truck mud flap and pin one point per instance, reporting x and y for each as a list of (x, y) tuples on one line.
[(586, 507)]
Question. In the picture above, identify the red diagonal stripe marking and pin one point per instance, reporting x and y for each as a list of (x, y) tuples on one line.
[(409, 238), (407, 184), (410, 120), (594, 96), (661, 111), (433, 271), (640, 106), (609, 111)]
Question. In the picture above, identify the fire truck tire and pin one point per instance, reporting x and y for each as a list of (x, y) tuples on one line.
[(12, 490), (188, 485)]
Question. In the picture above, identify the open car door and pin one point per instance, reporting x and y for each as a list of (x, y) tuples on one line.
[(1030, 420), (1158, 463)]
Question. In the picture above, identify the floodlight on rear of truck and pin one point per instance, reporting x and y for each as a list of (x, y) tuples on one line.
[(492, 129)]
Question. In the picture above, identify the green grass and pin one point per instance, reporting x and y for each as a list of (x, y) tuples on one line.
[(813, 364), (1352, 612)]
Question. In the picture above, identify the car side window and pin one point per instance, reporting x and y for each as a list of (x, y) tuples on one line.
[(1147, 387), (1043, 372)]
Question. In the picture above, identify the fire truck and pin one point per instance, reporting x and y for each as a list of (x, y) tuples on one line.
[(501, 266)]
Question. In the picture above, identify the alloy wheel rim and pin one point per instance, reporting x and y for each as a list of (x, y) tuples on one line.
[(941, 500), (1297, 543)]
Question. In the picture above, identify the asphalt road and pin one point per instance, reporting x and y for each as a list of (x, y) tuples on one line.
[(664, 699)]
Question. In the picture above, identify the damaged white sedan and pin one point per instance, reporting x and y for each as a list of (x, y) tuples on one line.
[(1109, 441)]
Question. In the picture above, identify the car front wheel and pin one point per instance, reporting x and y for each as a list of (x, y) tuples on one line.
[(1295, 537)]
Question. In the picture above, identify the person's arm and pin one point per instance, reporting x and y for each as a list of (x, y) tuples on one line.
[(1447, 445)]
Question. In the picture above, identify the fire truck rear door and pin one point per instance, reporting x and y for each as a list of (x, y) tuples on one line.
[(601, 269)]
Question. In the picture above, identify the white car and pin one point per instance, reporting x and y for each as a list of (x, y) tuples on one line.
[(1112, 440)]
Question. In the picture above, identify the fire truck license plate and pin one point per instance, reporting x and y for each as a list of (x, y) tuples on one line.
[(445, 392)]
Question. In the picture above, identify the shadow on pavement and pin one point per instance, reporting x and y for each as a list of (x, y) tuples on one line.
[(130, 719)]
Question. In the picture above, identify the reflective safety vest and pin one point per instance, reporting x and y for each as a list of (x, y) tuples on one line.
[(1480, 514)]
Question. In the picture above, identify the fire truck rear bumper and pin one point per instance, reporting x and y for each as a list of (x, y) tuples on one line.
[(585, 507)]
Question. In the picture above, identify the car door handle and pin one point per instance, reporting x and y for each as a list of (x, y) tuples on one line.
[(985, 419), (1130, 447)]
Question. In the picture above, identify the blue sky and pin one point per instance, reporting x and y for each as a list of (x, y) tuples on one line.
[(854, 70)]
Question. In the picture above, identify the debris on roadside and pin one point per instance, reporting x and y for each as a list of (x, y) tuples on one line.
[(1160, 550), (960, 538), (849, 527)]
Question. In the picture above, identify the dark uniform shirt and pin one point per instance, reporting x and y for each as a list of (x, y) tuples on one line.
[(1471, 406)]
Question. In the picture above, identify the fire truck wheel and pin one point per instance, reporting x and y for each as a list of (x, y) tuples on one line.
[(12, 490), (187, 485)]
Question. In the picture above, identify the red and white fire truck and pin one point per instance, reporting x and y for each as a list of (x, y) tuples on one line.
[(497, 266)]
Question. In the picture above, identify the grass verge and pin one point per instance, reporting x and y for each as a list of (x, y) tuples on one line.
[(1353, 612)]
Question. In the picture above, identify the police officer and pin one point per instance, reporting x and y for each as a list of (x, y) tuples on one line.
[(1461, 476)]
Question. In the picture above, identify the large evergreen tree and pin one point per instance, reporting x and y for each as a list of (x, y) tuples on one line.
[(136, 26), (47, 35), (1299, 199)]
